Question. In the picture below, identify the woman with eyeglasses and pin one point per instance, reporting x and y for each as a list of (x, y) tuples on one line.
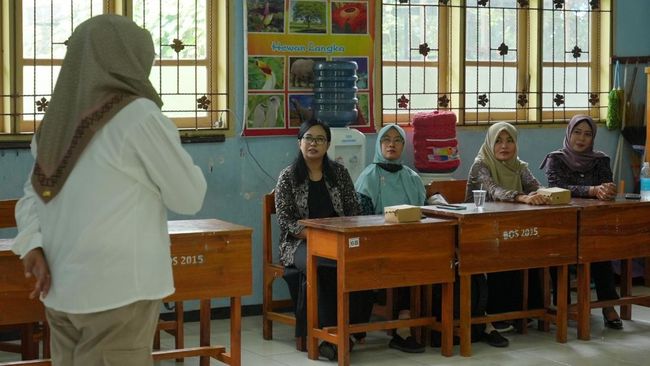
[(586, 173), (314, 186), (387, 182)]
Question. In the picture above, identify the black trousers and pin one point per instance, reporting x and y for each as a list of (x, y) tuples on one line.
[(603, 275), (360, 301), (505, 291)]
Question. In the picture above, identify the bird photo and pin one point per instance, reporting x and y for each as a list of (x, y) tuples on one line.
[(265, 73), (266, 111), (265, 15)]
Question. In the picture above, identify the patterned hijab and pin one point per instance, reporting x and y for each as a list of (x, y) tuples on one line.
[(393, 186), (577, 161), (506, 174), (106, 66)]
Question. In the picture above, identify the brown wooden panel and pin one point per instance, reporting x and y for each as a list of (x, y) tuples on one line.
[(517, 240), (614, 231), (15, 305), (7, 213), (452, 190), (399, 258), (211, 265), (327, 242)]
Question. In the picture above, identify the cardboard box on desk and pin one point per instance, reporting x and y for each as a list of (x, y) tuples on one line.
[(402, 213), (558, 196)]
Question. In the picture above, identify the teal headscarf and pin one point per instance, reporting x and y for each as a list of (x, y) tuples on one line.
[(386, 188)]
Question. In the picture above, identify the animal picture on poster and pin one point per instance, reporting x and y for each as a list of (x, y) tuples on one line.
[(300, 108), (265, 111), (301, 72), (265, 73)]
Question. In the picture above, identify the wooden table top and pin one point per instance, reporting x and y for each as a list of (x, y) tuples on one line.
[(493, 208), (374, 223), (594, 204), (215, 226)]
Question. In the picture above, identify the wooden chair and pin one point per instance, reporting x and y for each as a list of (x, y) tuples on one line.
[(452, 190), (32, 333), (271, 308)]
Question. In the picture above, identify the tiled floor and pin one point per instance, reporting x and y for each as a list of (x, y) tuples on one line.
[(630, 346)]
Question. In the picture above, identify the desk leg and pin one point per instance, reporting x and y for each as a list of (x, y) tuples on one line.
[(626, 287), (312, 306), (416, 310), (465, 316), (343, 319), (584, 300), (646, 271), (204, 337), (447, 313), (561, 320), (235, 331)]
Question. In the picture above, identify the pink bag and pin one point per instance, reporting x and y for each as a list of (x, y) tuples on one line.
[(434, 142)]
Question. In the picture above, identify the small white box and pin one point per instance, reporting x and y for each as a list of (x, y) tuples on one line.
[(402, 213)]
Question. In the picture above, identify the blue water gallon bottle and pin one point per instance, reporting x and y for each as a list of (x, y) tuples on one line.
[(335, 92)]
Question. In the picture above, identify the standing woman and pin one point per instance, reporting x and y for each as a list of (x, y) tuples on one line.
[(314, 186), (387, 182), (498, 170), (586, 173)]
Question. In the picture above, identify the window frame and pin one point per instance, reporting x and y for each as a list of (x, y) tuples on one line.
[(452, 67), (16, 130)]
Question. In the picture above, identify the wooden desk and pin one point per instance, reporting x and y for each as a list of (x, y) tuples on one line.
[(610, 230), (374, 254), (211, 258), (511, 236)]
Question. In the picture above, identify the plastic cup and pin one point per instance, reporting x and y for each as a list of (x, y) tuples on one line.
[(479, 197)]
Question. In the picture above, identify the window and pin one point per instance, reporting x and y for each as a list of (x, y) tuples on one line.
[(190, 72), (522, 61)]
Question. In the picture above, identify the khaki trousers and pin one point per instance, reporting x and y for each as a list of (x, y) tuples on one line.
[(117, 337)]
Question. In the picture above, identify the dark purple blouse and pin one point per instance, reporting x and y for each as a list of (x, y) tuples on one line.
[(560, 175)]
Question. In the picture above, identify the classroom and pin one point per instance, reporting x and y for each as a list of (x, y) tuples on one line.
[(246, 85)]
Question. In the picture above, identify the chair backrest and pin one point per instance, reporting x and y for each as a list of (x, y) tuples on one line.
[(453, 190), (7, 213), (268, 210)]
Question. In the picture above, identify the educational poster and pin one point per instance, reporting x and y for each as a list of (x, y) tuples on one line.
[(285, 39)]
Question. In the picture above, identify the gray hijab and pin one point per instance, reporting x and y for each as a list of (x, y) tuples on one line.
[(577, 161), (106, 66)]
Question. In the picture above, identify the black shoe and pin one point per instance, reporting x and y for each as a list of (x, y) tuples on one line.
[(495, 339), (328, 350), (409, 345), (616, 324)]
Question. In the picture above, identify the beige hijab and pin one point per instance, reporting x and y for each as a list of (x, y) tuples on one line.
[(106, 66), (506, 174)]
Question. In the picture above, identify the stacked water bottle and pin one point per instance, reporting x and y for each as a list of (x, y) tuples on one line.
[(335, 92)]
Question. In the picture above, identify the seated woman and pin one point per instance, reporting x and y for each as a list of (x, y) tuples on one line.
[(387, 182), (314, 186), (586, 173), (498, 170)]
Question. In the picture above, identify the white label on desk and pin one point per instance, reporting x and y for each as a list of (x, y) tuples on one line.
[(529, 232), (184, 260), (354, 242)]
